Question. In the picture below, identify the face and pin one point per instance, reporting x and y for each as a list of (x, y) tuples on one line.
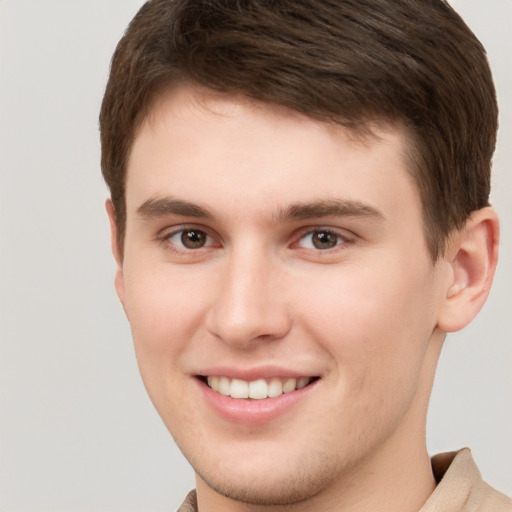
[(282, 300)]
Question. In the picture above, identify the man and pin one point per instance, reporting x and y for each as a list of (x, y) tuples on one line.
[(299, 212)]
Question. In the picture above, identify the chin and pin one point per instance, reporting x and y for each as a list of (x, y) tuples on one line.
[(269, 490), (271, 480)]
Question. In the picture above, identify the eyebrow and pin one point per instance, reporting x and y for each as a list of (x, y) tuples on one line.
[(326, 208), (161, 207)]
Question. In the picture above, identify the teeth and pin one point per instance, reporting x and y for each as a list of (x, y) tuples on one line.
[(275, 388), (239, 389), (224, 386), (256, 389), (289, 385), (302, 382)]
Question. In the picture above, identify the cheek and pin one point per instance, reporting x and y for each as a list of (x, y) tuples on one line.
[(374, 323), (163, 313), (163, 309)]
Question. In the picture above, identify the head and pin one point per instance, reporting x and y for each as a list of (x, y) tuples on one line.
[(299, 214)]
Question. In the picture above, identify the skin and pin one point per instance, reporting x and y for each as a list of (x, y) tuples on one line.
[(367, 316)]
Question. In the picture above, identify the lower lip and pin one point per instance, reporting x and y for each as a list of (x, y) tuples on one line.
[(253, 412)]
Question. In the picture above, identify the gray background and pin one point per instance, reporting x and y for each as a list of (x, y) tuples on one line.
[(77, 432)]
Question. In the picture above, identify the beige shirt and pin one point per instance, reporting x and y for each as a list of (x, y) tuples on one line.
[(460, 488)]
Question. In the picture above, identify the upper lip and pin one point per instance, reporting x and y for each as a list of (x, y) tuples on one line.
[(254, 373)]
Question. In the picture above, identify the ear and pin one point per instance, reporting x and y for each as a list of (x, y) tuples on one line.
[(116, 250), (472, 255)]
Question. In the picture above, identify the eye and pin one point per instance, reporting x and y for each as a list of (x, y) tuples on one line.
[(321, 239), (189, 239)]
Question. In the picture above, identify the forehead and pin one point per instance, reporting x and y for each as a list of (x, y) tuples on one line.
[(206, 146)]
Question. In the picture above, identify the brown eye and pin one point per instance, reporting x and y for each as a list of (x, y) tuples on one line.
[(324, 239), (321, 240), (193, 238)]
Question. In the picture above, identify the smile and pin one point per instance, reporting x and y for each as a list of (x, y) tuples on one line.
[(256, 389), (259, 398)]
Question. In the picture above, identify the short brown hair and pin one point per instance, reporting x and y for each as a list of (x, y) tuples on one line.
[(345, 61)]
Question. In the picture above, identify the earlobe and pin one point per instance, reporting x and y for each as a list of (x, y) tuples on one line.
[(116, 252), (472, 255)]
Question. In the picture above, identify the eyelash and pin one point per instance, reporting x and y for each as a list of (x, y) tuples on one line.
[(165, 239), (341, 240)]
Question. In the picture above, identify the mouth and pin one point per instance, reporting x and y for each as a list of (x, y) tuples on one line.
[(258, 389)]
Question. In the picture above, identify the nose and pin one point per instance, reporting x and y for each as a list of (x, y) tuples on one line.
[(248, 303)]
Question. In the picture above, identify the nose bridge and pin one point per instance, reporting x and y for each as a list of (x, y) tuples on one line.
[(248, 304)]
